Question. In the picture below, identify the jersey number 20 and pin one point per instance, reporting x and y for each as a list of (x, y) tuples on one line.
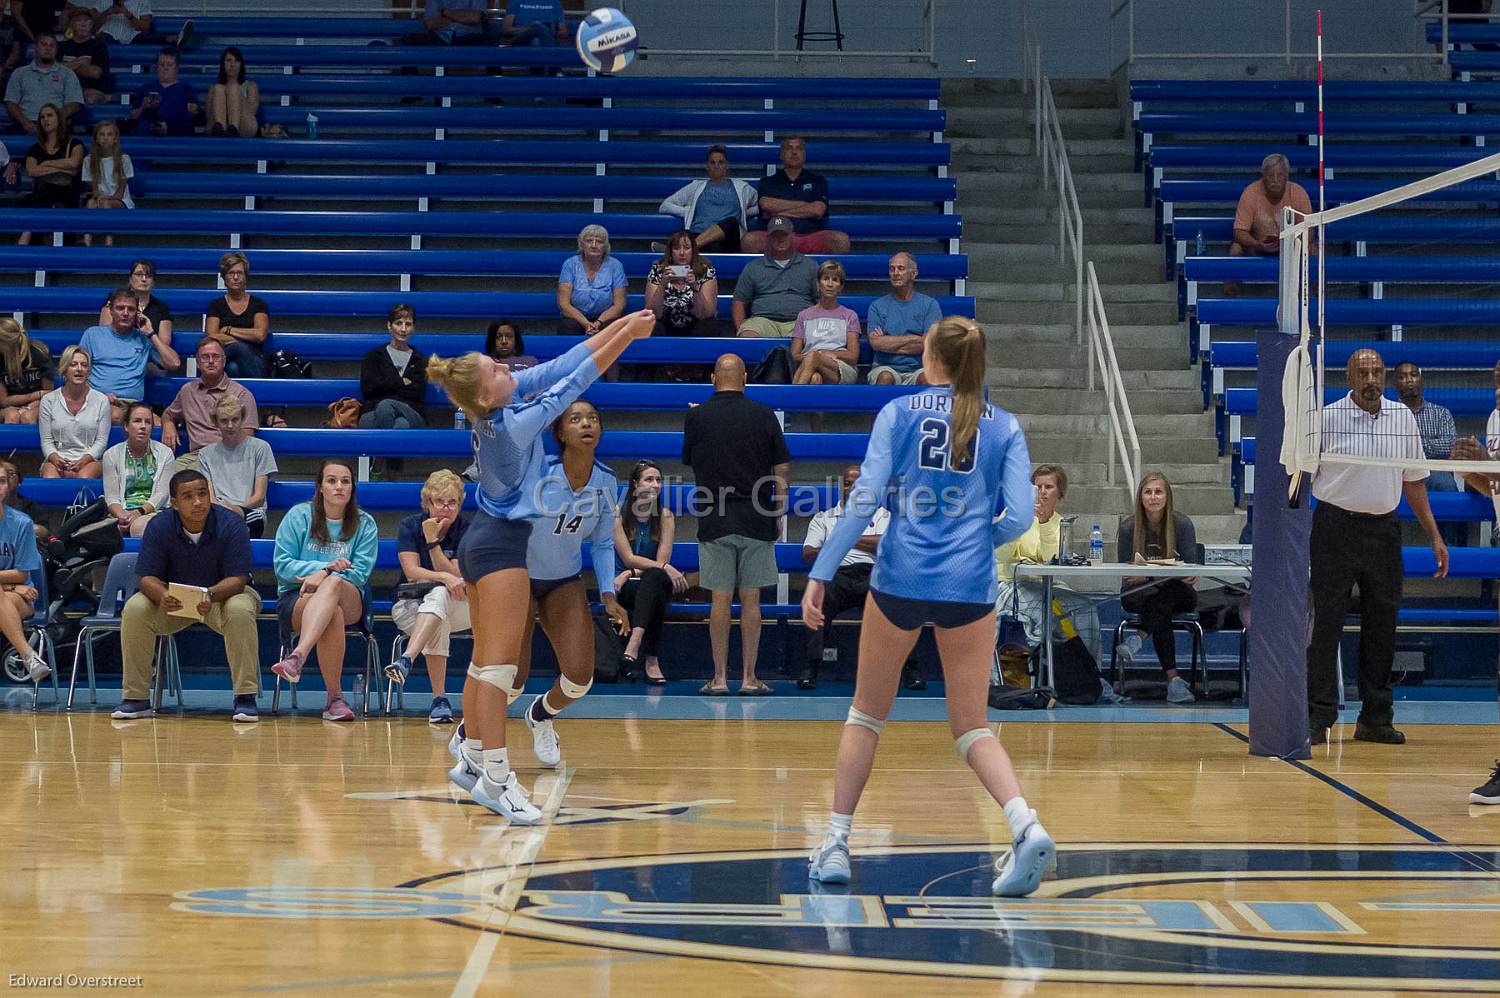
[(565, 525), (933, 453)]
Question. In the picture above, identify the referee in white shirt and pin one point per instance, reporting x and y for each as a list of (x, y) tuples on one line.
[(1356, 540), (849, 585)]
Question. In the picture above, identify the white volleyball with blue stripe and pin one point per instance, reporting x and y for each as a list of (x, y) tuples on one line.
[(606, 40)]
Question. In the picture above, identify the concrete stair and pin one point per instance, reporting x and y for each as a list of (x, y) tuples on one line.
[(1025, 296)]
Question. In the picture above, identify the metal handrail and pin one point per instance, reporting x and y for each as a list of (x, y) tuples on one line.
[(1102, 360)]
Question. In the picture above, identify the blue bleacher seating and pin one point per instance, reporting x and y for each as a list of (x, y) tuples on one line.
[(474, 304), (503, 186), (491, 152), (1356, 312), (473, 224), (262, 57), (632, 396), (1435, 354), (510, 263), (449, 444), (1293, 123), (1305, 91), (1463, 401)]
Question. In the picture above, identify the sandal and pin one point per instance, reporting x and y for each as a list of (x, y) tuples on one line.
[(756, 689), (708, 689)]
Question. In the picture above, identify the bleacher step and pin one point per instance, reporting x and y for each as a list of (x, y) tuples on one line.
[(1096, 448), (987, 146), (1060, 333), (1076, 378), (1171, 426), (1111, 293), (1145, 404), (1125, 315), (1022, 356)]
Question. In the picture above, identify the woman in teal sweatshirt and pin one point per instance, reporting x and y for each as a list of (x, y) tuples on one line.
[(325, 551)]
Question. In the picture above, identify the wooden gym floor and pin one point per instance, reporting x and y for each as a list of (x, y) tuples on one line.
[(187, 855)]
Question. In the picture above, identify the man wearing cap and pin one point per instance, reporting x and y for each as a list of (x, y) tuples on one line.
[(773, 288)]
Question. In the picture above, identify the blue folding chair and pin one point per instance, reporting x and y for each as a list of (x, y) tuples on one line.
[(364, 631), (35, 627), (120, 582)]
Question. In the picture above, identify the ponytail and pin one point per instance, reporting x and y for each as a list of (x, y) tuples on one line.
[(959, 344), (459, 377)]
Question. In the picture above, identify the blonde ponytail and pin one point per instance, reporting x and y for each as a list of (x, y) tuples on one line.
[(959, 344), (459, 377)]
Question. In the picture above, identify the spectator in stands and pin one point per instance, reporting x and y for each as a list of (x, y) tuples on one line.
[(120, 351), (504, 341), (850, 584), (240, 321), (774, 288), (325, 551), (591, 287), (427, 547), (454, 22), (233, 102), (1156, 531), (20, 565), (192, 544), (1435, 423), (645, 531), (898, 323), (739, 457), (108, 172), (193, 408), (682, 289), (87, 55), (1038, 546), (166, 105), (393, 379), (239, 465), (26, 374), (11, 37), (825, 340), (801, 195), (534, 22), (1257, 217), (717, 210), (10, 170), (53, 162), (142, 281), (33, 510), (41, 82), (125, 21), (74, 421), (136, 473)]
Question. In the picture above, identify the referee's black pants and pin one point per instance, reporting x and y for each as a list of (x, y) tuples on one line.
[(1348, 550), (845, 591)]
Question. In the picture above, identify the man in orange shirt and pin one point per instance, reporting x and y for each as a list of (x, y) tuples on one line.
[(1257, 218)]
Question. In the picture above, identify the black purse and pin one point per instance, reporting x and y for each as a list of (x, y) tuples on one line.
[(413, 590)]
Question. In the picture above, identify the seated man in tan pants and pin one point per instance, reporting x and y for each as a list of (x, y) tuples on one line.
[(195, 543)]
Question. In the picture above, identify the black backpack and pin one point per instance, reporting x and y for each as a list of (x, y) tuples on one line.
[(1016, 698), (1075, 672), (609, 651), (290, 364), (775, 369)]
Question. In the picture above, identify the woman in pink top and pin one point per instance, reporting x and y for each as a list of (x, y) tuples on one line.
[(825, 342)]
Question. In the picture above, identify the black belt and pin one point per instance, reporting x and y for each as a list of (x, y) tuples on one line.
[(1378, 517)]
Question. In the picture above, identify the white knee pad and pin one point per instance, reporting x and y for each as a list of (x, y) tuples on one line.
[(502, 677), (572, 690), (863, 720), (965, 741)]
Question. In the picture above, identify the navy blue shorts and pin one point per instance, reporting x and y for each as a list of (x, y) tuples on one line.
[(911, 614), (492, 545), (542, 588), (286, 603)]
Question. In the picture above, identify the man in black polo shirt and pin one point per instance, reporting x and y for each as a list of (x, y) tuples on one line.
[(802, 196), (739, 458), (195, 543)]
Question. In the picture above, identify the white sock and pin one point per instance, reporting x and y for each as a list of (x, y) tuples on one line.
[(839, 826), (1019, 815), (496, 763), (471, 749)]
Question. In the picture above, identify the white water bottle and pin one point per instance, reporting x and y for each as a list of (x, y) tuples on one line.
[(460, 421), (1096, 546)]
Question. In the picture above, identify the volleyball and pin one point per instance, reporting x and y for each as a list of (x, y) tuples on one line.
[(606, 40)]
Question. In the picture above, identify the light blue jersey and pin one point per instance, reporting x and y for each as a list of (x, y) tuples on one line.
[(945, 522), (565, 518), (18, 550), (508, 447)]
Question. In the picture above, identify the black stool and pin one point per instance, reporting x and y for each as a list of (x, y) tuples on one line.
[(803, 35)]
